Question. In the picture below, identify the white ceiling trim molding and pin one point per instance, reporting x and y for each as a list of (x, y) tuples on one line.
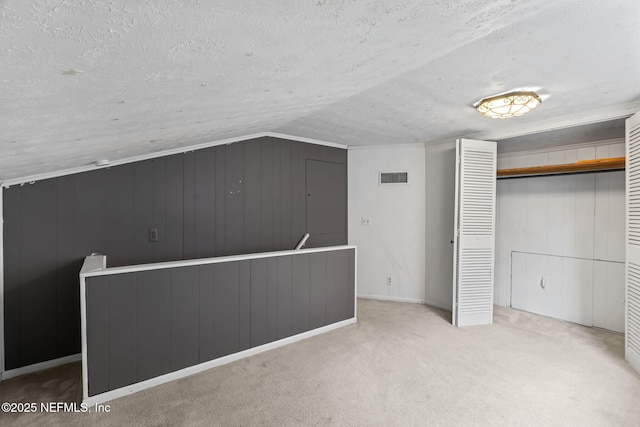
[(387, 146), (155, 155), (562, 147), (303, 139), (571, 120)]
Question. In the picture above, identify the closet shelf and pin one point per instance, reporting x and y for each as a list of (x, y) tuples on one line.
[(613, 163)]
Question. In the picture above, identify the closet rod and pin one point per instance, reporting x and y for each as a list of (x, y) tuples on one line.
[(613, 163)]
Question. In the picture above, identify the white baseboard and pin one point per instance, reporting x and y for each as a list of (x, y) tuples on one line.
[(172, 376), (437, 305), (40, 366), (410, 300), (395, 299)]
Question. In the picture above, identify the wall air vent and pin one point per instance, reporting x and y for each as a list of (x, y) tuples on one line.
[(394, 177)]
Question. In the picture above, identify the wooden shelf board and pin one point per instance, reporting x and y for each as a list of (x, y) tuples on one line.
[(613, 163)]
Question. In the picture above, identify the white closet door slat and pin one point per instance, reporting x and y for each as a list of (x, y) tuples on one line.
[(632, 270), (474, 242)]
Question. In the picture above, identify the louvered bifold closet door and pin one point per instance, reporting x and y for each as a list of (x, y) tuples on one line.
[(474, 243), (632, 323)]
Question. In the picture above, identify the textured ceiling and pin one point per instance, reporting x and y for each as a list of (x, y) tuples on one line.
[(83, 80)]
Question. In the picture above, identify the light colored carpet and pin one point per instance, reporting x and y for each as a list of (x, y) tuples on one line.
[(401, 365)]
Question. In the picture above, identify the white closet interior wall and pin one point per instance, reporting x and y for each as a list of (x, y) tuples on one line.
[(560, 238)]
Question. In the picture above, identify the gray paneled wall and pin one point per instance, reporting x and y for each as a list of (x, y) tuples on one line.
[(145, 324), (232, 199)]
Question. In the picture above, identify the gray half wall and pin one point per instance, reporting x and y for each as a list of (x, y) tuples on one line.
[(145, 324)]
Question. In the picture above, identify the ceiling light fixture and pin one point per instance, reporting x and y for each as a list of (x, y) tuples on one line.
[(510, 104)]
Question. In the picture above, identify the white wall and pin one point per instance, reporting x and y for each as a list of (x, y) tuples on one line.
[(560, 239), (393, 245), (440, 204)]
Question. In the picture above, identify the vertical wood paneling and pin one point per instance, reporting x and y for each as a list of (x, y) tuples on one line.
[(98, 334), (272, 299), (537, 213), (244, 306), (189, 206), (555, 158), (602, 151), (503, 256), (317, 290), (12, 277), (120, 208), (286, 189), (67, 267), (569, 189), (122, 352), (277, 196), (298, 193), (251, 197), (570, 155), (615, 295), (143, 207), (245, 197), (234, 199), (141, 325), (38, 292), (185, 319), (617, 150), (609, 216), (326, 197), (221, 200), (554, 286), (601, 213), (584, 215), (226, 308), (535, 159), (300, 294), (205, 209), (267, 235), (519, 220), (337, 292), (350, 282), (207, 351), (259, 304), (586, 153), (89, 213), (153, 321), (584, 218), (616, 217), (159, 248), (555, 226), (173, 231), (285, 290)]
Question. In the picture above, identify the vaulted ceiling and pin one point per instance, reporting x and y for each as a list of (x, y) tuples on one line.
[(83, 80)]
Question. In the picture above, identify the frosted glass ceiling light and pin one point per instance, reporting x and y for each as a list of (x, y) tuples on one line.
[(510, 104)]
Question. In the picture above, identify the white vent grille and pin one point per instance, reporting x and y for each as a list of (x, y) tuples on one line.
[(478, 182), (394, 177)]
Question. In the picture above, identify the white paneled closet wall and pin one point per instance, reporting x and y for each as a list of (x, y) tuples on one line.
[(560, 238)]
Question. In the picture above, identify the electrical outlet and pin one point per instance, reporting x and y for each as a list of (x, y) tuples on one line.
[(389, 281), (365, 220), (153, 234)]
